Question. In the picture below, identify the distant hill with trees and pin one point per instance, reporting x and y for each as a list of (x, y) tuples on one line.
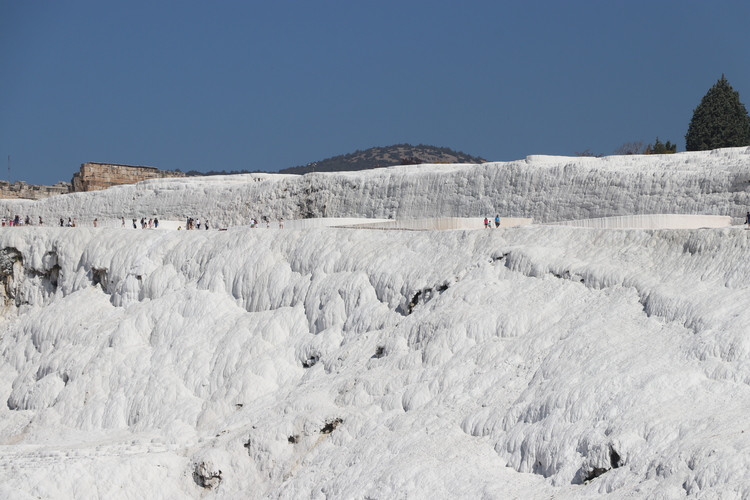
[(386, 156)]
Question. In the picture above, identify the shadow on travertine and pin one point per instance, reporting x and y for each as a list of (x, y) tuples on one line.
[(439, 223), (652, 221)]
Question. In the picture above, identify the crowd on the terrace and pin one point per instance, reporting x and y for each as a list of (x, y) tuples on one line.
[(191, 223), (17, 221), (72, 222)]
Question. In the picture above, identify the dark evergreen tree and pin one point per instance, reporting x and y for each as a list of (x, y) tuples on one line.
[(659, 148), (719, 121)]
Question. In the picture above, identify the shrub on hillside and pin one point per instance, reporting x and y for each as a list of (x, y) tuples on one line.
[(660, 148), (630, 148)]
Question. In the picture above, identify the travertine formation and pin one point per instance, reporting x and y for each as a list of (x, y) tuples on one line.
[(19, 190), (97, 176), (547, 189)]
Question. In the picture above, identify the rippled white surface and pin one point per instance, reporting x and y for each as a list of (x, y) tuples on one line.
[(351, 363)]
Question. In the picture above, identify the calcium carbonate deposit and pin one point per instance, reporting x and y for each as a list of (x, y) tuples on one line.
[(537, 361), (545, 188)]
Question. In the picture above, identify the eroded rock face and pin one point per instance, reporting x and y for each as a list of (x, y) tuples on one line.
[(20, 285), (206, 475), (97, 176), (22, 191), (11, 268)]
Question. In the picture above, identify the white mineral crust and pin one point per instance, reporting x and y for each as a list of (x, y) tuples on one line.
[(530, 362)]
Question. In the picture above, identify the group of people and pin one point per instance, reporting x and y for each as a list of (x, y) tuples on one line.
[(254, 222), (17, 221), (145, 224), (192, 223), (72, 222), (488, 224)]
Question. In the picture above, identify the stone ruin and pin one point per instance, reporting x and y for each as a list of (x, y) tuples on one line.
[(21, 190), (96, 176), (91, 177)]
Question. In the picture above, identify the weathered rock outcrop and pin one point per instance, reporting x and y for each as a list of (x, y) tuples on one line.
[(96, 176), (22, 191)]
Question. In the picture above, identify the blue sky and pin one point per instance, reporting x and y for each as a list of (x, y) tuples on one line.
[(200, 85)]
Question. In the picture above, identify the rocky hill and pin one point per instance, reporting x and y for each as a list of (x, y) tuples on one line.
[(386, 156)]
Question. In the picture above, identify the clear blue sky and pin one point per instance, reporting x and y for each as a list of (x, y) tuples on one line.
[(204, 85)]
